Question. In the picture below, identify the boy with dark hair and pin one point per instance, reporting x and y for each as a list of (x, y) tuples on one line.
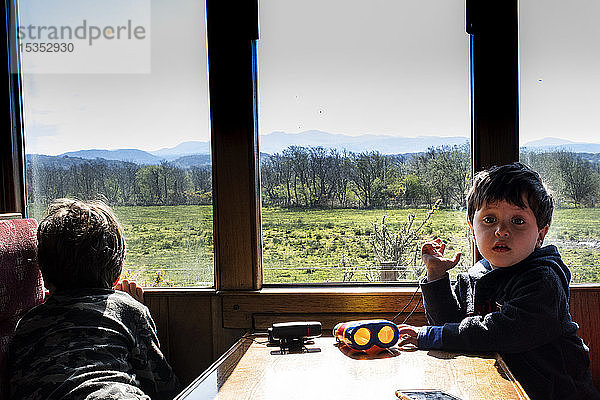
[(516, 299), (86, 341)]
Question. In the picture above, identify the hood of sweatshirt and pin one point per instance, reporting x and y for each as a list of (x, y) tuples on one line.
[(544, 256)]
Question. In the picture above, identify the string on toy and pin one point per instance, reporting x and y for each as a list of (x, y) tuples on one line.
[(408, 304), (413, 310)]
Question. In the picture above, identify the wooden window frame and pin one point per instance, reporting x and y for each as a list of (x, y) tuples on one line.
[(12, 155), (232, 75)]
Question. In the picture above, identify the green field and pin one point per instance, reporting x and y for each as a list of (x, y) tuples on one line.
[(172, 245), (168, 245)]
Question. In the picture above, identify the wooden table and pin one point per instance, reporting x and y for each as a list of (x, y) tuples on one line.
[(249, 370)]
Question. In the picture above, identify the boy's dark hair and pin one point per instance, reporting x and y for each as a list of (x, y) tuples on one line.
[(511, 183), (80, 244)]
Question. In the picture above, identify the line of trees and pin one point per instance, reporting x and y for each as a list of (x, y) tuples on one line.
[(120, 183), (310, 177), (572, 177), (317, 177)]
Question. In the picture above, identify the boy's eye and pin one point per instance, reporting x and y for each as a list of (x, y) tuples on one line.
[(518, 221), (489, 220)]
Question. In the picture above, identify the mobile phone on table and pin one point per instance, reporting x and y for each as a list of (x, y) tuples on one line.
[(424, 394)]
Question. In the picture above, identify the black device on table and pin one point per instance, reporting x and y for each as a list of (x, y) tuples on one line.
[(294, 336)]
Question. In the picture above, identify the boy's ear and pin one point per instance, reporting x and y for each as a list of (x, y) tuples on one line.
[(541, 235)]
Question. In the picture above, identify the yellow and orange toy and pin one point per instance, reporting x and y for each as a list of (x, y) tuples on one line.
[(370, 336)]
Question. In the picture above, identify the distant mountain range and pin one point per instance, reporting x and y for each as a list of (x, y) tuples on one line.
[(132, 155), (197, 153), (548, 144), (275, 142), (182, 149)]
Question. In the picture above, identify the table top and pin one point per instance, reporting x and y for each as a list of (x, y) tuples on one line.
[(251, 370)]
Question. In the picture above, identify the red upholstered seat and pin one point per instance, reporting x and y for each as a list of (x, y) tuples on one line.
[(21, 285)]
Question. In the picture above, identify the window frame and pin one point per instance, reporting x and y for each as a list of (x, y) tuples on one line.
[(494, 128), (12, 159), (232, 32)]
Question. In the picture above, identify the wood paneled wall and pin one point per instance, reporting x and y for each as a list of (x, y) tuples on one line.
[(197, 326), (585, 310), (190, 329)]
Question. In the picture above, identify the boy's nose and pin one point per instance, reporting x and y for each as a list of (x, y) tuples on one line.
[(501, 231)]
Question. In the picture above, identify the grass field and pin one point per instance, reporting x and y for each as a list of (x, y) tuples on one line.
[(320, 245), (173, 245), (170, 245)]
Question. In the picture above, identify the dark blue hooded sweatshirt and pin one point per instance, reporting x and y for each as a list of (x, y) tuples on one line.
[(521, 312)]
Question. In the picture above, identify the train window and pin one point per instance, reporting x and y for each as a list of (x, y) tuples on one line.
[(115, 102), (364, 127), (559, 122)]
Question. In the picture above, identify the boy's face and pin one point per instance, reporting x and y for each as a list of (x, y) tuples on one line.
[(506, 234)]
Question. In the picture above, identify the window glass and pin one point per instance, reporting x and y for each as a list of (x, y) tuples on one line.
[(364, 125), (559, 121), (115, 106)]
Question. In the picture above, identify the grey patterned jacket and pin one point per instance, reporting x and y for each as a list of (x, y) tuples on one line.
[(89, 344)]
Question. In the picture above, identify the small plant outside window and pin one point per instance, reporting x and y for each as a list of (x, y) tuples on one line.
[(397, 253)]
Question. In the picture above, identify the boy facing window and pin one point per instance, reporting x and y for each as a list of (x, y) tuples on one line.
[(86, 341), (516, 299)]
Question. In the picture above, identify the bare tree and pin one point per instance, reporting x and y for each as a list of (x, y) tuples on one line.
[(579, 180)]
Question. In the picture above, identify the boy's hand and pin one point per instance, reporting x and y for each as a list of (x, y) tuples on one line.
[(408, 335), (131, 288), (432, 254)]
